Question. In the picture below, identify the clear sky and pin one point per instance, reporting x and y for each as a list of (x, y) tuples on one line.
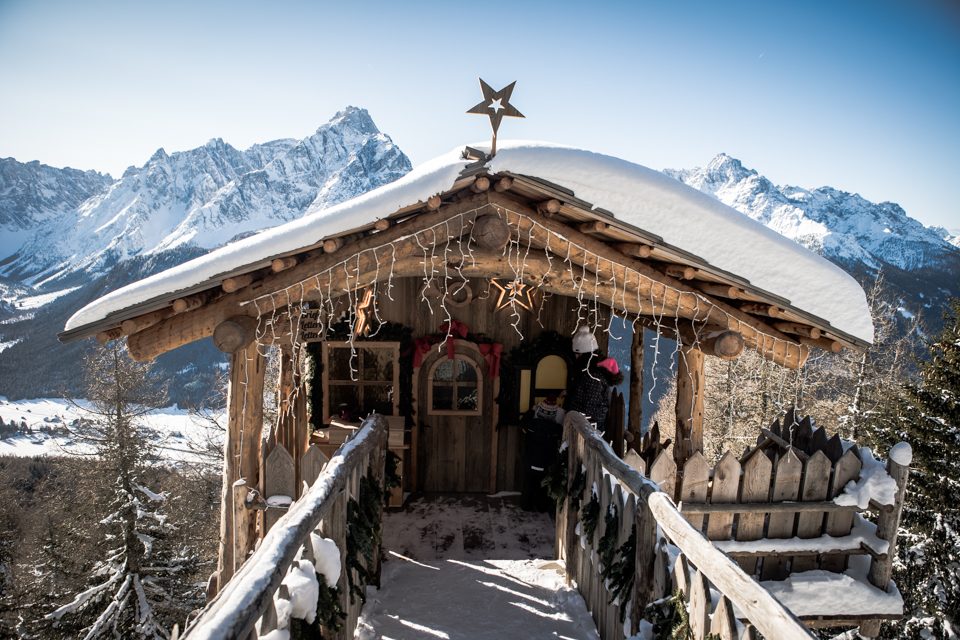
[(861, 95)]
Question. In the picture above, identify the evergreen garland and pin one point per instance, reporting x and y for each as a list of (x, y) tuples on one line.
[(330, 615), (590, 516), (363, 535), (607, 547), (575, 491), (622, 571), (555, 477), (391, 474)]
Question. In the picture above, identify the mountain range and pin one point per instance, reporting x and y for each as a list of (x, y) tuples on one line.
[(70, 236)]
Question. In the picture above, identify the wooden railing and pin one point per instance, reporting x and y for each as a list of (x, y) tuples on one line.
[(641, 508), (246, 606)]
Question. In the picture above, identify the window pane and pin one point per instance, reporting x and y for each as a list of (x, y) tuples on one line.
[(340, 363), (466, 398), (377, 364), (444, 370), (465, 371), (345, 401), (378, 398), (442, 397)]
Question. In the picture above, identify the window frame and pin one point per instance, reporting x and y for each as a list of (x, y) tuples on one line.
[(453, 385), (328, 346)]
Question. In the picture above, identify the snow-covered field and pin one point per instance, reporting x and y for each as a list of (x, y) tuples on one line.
[(55, 423)]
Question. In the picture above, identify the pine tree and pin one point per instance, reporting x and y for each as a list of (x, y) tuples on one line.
[(129, 595), (927, 415)]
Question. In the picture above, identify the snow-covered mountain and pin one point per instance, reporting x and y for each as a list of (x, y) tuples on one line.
[(207, 196), (842, 226), (80, 235), (920, 265)]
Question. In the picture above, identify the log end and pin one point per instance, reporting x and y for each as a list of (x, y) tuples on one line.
[(235, 333)]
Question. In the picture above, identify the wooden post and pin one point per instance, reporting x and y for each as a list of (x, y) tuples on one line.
[(689, 409), (889, 521), (636, 388), (241, 453)]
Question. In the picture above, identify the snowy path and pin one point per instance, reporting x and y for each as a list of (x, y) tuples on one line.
[(471, 568)]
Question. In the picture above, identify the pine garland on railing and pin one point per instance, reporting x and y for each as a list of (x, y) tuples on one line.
[(622, 571), (555, 477), (575, 491), (330, 615), (670, 619), (391, 474), (607, 547), (363, 534), (590, 517)]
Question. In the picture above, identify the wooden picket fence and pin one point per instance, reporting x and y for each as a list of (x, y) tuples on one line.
[(643, 508), (246, 606)]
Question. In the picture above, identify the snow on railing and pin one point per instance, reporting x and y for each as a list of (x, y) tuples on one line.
[(280, 579), (641, 512)]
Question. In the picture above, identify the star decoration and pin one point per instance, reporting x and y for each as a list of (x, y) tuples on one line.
[(361, 326), (513, 293), (496, 105)]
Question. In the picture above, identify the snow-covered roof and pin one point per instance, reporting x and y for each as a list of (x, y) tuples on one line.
[(635, 195)]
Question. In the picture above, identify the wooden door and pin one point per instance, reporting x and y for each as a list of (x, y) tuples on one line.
[(456, 421)]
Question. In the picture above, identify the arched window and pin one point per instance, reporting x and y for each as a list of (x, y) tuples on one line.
[(456, 387), (550, 378)]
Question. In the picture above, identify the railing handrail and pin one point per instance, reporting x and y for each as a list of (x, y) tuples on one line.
[(246, 597), (765, 612)]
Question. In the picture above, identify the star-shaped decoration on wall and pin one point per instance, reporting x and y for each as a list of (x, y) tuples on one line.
[(496, 105), (513, 293), (362, 325)]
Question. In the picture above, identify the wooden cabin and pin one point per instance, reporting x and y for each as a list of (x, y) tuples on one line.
[(445, 303)]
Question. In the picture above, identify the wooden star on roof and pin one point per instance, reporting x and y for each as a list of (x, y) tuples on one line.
[(496, 105)]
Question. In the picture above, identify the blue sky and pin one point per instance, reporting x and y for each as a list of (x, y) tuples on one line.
[(860, 95)]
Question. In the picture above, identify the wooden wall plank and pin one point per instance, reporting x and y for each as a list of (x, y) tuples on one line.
[(839, 523), (696, 478), (816, 486), (725, 489), (755, 488), (786, 487)]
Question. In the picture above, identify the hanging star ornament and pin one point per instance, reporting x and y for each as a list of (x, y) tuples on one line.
[(513, 294), (496, 105)]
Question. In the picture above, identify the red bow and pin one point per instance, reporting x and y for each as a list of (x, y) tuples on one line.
[(491, 352)]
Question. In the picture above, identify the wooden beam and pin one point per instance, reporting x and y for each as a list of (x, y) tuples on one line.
[(720, 290), (798, 329), (481, 184), (594, 226), (503, 184), (491, 232), (827, 344), (144, 321), (236, 283), (282, 264), (549, 207), (636, 386), (689, 407), (332, 245), (241, 458), (189, 303), (235, 333), (769, 310), (680, 272), (727, 345), (110, 334), (633, 250), (433, 203)]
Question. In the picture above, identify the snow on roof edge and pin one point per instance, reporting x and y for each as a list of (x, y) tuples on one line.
[(642, 197)]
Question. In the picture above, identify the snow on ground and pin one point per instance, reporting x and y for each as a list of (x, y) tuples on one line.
[(471, 568), (176, 433), (8, 344)]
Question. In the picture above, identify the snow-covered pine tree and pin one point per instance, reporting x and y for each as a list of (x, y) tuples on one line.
[(927, 415), (130, 588)]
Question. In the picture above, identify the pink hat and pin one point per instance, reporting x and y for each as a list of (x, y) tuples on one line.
[(610, 365)]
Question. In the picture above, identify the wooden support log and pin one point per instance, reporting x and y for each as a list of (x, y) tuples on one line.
[(145, 321), (636, 388), (827, 344), (594, 226), (331, 245), (235, 333), (383, 224), (679, 271), (549, 207), (726, 345), (889, 522), (503, 184), (110, 334), (633, 250), (491, 232), (189, 303), (720, 290), (282, 264), (433, 203), (760, 309), (689, 407), (798, 329), (481, 184), (236, 283)]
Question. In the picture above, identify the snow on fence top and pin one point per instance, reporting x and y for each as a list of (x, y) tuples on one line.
[(684, 217)]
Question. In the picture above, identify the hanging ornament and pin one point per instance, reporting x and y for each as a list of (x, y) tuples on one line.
[(513, 294), (361, 325)]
